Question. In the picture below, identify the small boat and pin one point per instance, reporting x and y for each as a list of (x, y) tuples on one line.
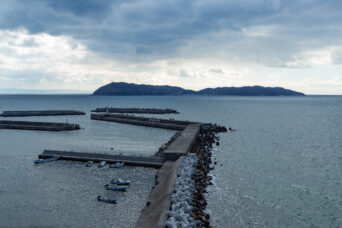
[(106, 199), (54, 158), (120, 182), (89, 163), (118, 165), (116, 187), (103, 163)]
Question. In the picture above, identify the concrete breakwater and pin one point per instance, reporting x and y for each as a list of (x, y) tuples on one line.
[(159, 202), (179, 214), (182, 145), (193, 137), (41, 113), (109, 158), (39, 126), (155, 214), (137, 110), (142, 121)]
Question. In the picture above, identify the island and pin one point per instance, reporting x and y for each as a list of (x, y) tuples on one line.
[(131, 89)]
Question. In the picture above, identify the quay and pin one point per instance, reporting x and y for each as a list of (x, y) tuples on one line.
[(109, 158), (137, 110), (38, 126), (41, 113)]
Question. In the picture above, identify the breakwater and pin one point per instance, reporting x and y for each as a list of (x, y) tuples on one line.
[(142, 121), (38, 126), (183, 143), (155, 213), (109, 158), (41, 113), (159, 201), (193, 137), (137, 110)]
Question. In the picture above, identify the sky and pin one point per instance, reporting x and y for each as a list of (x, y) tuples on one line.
[(80, 45)]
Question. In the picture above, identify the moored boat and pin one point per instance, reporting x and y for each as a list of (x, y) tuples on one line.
[(55, 158)]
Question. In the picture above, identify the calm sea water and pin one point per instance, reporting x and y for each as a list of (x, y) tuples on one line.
[(281, 168)]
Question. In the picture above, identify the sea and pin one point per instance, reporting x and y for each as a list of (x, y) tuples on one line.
[(282, 167)]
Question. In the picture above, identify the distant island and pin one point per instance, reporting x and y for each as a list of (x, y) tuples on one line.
[(131, 89)]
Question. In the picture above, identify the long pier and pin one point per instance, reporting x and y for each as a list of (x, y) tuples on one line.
[(159, 201), (109, 158), (183, 143), (38, 126), (143, 121), (137, 110), (41, 113)]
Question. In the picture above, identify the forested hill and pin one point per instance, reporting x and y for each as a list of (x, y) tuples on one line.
[(130, 89)]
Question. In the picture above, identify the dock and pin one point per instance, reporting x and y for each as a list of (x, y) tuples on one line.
[(37, 126), (41, 113), (109, 158), (137, 110)]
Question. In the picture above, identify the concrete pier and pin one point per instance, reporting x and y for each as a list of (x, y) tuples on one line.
[(110, 159), (38, 126), (137, 110), (183, 143), (41, 113), (159, 202), (142, 121)]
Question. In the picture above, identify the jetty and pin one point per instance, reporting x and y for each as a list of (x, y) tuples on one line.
[(153, 162), (37, 126), (182, 145), (137, 110), (143, 121), (41, 113), (159, 201)]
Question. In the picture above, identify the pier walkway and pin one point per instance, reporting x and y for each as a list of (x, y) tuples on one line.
[(183, 143), (142, 121), (110, 159)]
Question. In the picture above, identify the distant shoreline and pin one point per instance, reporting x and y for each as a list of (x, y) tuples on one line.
[(129, 89)]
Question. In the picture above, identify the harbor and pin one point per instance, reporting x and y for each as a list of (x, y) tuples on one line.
[(188, 139)]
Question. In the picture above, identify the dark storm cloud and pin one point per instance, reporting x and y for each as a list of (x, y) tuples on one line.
[(153, 29)]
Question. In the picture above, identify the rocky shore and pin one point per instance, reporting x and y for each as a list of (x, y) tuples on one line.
[(201, 176)]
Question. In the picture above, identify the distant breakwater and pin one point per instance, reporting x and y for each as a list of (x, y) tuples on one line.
[(41, 113), (38, 126), (137, 110)]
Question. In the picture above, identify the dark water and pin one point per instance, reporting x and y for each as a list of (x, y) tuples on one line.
[(281, 168)]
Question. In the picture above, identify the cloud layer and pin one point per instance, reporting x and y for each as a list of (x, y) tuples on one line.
[(89, 42)]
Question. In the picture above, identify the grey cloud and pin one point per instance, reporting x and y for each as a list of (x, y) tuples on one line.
[(151, 29)]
